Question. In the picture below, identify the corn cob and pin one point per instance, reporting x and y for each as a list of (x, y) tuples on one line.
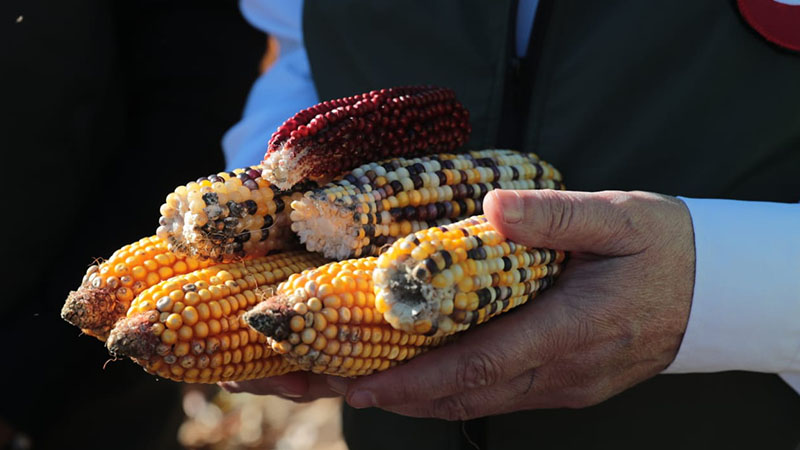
[(227, 216), (446, 279), (324, 320), (377, 203), (326, 139), (108, 288), (190, 328)]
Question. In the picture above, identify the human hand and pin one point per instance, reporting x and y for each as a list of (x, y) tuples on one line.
[(614, 318)]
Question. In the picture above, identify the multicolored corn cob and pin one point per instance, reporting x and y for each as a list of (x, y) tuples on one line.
[(377, 203), (446, 279), (109, 287), (324, 320), (227, 216), (190, 328), (329, 138)]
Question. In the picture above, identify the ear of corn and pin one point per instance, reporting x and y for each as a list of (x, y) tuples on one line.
[(108, 288), (446, 279), (324, 320), (190, 328), (329, 138), (377, 203), (227, 217)]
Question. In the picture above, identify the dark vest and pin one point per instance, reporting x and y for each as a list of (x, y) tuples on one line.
[(679, 97)]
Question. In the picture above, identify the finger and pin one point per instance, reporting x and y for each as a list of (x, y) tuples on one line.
[(496, 351), (296, 386), (290, 385), (481, 402), (597, 223)]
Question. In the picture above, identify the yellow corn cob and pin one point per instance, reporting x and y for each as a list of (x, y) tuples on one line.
[(109, 287), (190, 328), (227, 216), (324, 320), (377, 203), (443, 280)]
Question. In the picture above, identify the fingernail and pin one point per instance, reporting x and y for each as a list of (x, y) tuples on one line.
[(337, 384), (511, 205), (283, 392), (228, 386), (362, 399)]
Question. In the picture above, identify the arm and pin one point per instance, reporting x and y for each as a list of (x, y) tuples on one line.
[(747, 291), (278, 93)]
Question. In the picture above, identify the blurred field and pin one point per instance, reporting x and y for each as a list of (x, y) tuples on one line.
[(218, 420)]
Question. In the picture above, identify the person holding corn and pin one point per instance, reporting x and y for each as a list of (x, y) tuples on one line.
[(675, 323)]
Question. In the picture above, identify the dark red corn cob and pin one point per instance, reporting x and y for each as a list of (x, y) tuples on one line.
[(331, 137)]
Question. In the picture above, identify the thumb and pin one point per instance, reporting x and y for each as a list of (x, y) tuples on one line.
[(564, 220)]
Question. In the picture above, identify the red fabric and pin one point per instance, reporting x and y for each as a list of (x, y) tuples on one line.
[(779, 23)]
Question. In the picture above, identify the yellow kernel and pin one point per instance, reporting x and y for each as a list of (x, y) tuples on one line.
[(203, 311), (308, 335), (205, 294), (332, 301), (297, 323), (152, 278), (176, 295), (216, 310), (314, 304), (190, 315), (169, 337), (181, 349), (201, 330), (174, 321), (185, 333), (139, 272)]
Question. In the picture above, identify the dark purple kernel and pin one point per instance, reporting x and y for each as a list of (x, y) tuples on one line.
[(210, 198), (268, 221), (250, 184), (279, 205), (244, 236), (236, 209), (448, 209), (253, 174), (396, 186), (469, 191), (230, 223), (250, 206), (432, 212), (410, 213), (264, 233), (484, 297)]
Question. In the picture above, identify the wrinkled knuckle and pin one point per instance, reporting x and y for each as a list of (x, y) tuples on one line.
[(560, 214), (452, 408), (476, 370)]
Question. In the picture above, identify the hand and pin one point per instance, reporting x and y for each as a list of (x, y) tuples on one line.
[(614, 318), (296, 386)]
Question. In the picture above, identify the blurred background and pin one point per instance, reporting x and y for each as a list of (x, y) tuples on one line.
[(106, 107)]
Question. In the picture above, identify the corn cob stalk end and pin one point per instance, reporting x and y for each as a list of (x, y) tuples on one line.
[(92, 310), (134, 337)]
